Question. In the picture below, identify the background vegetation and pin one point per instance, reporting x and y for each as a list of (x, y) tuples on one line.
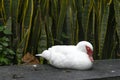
[(39, 24)]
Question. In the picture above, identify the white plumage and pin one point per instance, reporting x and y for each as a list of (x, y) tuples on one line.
[(70, 56)]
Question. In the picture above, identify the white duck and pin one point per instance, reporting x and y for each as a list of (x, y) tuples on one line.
[(70, 56)]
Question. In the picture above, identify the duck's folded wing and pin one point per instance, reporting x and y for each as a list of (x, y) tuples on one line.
[(65, 50)]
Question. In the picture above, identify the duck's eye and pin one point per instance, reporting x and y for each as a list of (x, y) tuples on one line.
[(89, 51), (88, 48)]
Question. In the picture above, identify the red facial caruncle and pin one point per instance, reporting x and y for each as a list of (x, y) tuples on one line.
[(90, 53)]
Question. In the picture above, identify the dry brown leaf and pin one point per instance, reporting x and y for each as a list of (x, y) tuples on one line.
[(28, 58)]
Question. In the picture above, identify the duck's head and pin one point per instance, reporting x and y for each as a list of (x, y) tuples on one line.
[(86, 47)]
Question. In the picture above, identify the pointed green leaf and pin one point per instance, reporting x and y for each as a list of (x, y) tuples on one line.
[(4, 44), (7, 31), (117, 16), (61, 18), (103, 29), (1, 28), (85, 16)]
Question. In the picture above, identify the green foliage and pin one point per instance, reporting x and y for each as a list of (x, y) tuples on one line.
[(39, 24), (6, 54)]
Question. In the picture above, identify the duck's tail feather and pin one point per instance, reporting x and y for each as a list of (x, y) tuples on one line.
[(45, 54), (38, 55)]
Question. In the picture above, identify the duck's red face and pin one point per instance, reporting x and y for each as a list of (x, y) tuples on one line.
[(89, 52)]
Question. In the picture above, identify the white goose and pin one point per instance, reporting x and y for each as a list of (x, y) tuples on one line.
[(70, 56)]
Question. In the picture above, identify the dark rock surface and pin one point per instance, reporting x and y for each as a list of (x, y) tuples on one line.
[(102, 70)]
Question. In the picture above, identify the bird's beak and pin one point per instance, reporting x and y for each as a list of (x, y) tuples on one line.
[(91, 58), (90, 53)]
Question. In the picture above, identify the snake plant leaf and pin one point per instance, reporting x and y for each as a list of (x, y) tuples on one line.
[(23, 17), (103, 30), (2, 12), (117, 16), (85, 16), (63, 7), (70, 31), (7, 7), (42, 44), (9, 24), (27, 14), (30, 25), (8, 27), (79, 6), (54, 10), (50, 38), (69, 25), (14, 10)]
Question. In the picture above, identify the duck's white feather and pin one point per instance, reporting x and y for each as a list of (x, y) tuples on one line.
[(64, 56)]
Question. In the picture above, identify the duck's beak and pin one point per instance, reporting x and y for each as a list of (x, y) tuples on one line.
[(90, 53), (91, 58)]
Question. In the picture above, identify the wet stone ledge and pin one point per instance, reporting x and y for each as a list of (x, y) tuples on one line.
[(102, 70)]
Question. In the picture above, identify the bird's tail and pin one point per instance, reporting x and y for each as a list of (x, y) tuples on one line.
[(38, 55), (45, 54)]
